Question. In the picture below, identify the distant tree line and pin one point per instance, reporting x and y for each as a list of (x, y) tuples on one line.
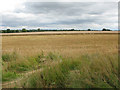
[(39, 30), (106, 29)]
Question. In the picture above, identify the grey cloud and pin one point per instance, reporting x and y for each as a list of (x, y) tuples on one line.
[(68, 8), (12, 21), (65, 13)]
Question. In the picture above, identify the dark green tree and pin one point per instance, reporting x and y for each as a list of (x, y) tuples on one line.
[(104, 29), (17, 31), (72, 29), (38, 29), (8, 31), (89, 29), (24, 30), (108, 30)]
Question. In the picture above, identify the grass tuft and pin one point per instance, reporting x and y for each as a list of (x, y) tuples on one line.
[(9, 57)]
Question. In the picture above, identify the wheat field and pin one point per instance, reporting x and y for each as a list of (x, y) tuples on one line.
[(68, 45)]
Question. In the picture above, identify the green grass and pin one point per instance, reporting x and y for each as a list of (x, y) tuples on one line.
[(13, 64), (8, 57), (95, 72), (7, 76), (87, 71)]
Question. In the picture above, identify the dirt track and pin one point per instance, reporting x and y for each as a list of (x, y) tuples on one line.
[(59, 33)]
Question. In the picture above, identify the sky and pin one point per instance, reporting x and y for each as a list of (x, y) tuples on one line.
[(18, 14)]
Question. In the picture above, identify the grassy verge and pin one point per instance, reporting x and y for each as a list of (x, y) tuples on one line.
[(14, 65), (87, 71)]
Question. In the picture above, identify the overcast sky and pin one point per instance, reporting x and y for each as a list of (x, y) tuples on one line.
[(60, 15)]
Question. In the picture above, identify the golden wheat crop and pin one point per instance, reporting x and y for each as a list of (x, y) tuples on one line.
[(67, 45)]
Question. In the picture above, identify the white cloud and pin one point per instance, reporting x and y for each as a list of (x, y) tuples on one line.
[(10, 5)]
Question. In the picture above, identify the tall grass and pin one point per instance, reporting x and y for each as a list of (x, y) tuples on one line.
[(9, 56), (88, 71), (7, 76), (13, 65), (96, 72)]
